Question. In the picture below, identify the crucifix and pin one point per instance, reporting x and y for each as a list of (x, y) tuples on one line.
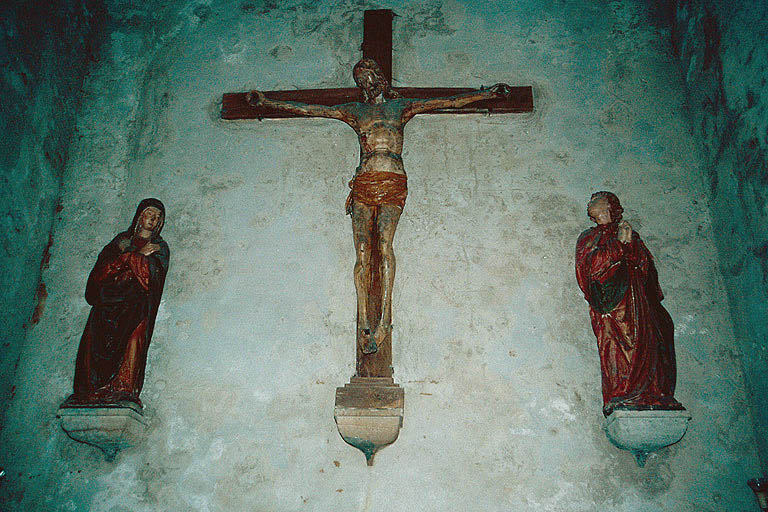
[(369, 409)]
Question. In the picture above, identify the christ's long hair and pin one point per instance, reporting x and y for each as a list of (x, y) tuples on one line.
[(373, 66)]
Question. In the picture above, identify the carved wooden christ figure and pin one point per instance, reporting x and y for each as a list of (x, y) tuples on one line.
[(379, 186), (635, 334), (124, 290)]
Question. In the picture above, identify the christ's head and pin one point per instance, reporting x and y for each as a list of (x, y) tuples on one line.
[(369, 77)]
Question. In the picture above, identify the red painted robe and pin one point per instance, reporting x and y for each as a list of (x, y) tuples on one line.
[(124, 289), (635, 334)]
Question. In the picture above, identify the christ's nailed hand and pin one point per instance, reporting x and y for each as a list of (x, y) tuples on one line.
[(501, 90), (254, 98)]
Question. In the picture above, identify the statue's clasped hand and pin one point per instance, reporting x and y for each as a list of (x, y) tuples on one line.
[(149, 249), (625, 232)]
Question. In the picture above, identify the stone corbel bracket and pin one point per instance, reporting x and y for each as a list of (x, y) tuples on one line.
[(644, 432), (108, 428), (369, 413)]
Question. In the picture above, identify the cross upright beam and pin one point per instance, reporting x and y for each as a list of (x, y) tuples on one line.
[(377, 39)]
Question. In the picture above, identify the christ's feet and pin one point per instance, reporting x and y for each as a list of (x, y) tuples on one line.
[(381, 333), (369, 345)]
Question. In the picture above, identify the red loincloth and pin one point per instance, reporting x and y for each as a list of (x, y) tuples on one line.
[(377, 188)]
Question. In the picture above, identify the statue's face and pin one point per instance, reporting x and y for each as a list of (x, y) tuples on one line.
[(599, 211), (370, 81), (150, 218)]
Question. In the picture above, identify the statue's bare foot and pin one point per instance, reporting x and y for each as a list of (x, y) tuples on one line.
[(369, 345), (381, 333)]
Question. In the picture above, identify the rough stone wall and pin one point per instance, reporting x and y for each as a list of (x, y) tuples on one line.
[(724, 58), (45, 51), (492, 340)]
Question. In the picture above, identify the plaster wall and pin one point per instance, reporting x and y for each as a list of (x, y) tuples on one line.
[(722, 51), (45, 50), (492, 341)]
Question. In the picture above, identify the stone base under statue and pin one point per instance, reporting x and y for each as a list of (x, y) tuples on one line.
[(107, 427), (643, 432), (369, 413)]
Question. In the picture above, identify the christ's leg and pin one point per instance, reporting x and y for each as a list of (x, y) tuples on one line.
[(386, 223), (362, 230)]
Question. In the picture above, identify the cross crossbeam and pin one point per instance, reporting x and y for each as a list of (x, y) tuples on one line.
[(377, 45)]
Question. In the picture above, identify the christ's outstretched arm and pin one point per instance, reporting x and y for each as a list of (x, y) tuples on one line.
[(257, 99), (460, 100)]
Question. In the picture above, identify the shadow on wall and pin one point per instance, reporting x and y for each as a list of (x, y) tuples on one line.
[(720, 49), (46, 52)]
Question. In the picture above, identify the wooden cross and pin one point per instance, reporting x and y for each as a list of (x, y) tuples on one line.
[(369, 409), (377, 45)]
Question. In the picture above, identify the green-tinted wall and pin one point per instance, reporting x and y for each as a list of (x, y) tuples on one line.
[(724, 62), (492, 341), (46, 49)]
